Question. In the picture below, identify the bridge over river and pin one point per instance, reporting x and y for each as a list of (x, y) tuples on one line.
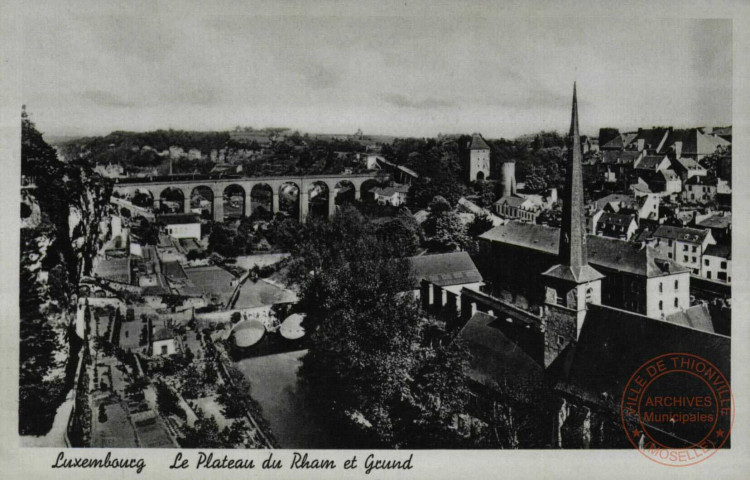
[(240, 194)]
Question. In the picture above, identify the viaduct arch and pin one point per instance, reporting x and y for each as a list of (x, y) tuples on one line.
[(306, 185)]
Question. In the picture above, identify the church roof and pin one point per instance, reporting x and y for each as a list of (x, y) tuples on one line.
[(577, 274), (614, 343), (495, 357), (603, 252)]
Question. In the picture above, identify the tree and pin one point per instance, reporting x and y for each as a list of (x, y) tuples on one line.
[(235, 433), (225, 241), (479, 225), (203, 434), (210, 376), (444, 228), (146, 231), (192, 382), (450, 233), (486, 191), (167, 401), (400, 236), (368, 366), (172, 301)]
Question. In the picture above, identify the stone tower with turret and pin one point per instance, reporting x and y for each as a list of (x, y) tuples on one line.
[(479, 158), (571, 284)]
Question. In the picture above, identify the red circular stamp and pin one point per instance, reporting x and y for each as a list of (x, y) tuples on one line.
[(677, 409)]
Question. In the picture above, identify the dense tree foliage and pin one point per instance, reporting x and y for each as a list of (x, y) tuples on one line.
[(444, 229), (712, 162), (369, 366), (479, 225)]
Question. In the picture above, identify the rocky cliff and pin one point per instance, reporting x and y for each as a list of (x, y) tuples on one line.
[(62, 205)]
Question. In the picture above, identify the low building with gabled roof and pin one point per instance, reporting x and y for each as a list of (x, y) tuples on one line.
[(452, 271), (688, 168), (615, 225), (395, 195), (692, 143), (650, 164), (666, 183)]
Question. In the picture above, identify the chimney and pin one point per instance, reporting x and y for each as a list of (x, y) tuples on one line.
[(641, 144), (678, 149)]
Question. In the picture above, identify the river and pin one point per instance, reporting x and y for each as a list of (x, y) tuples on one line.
[(274, 386)]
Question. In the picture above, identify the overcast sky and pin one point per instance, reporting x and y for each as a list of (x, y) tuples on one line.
[(388, 75)]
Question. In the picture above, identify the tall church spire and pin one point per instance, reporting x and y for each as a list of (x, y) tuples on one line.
[(572, 256), (573, 234)]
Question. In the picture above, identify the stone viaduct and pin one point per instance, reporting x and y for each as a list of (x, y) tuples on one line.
[(157, 186)]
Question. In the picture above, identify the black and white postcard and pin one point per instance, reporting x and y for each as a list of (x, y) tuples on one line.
[(400, 240)]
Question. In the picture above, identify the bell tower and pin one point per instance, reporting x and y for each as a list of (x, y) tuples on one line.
[(571, 284)]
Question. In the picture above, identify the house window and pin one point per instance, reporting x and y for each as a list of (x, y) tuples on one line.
[(669, 255), (695, 249), (724, 265), (708, 275), (661, 305), (670, 242), (661, 287), (589, 294), (684, 248), (163, 349), (721, 276), (705, 261), (676, 303), (685, 258), (676, 284), (694, 260)]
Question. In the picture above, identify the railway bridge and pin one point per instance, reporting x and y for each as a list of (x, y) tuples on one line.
[(239, 194)]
